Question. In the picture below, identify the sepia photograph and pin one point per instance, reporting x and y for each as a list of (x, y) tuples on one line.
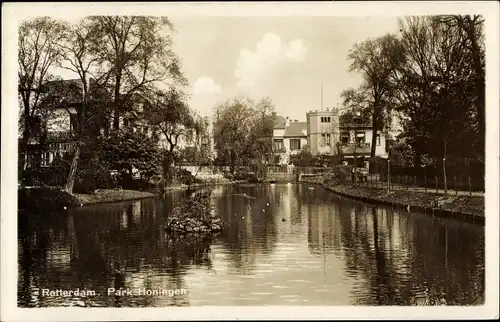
[(211, 159)]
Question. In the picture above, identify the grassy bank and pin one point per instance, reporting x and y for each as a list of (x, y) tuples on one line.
[(469, 206), (111, 195)]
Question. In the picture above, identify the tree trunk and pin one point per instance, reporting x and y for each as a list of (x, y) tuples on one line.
[(22, 154), (70, 181), (374, 134)]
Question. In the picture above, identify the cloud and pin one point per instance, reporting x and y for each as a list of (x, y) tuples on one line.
[(205, 92), (206, 85), (270, 54)]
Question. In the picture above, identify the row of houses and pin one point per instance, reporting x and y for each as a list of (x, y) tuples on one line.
[(324, 133)]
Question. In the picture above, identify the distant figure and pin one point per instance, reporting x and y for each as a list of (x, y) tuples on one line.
[(283, 219), (353, 175)]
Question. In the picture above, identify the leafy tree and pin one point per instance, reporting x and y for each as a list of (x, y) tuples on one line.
[(128, 150), (243, 131), (435, 89), (169, 114)]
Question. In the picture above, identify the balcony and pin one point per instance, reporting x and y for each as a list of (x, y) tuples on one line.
[(355, 148)]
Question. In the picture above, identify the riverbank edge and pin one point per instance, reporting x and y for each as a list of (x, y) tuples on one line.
[(362, 196), (140, 195), (104, 196)]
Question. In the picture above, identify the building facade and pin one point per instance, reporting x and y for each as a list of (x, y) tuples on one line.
[(323, 132), (289, 138), (355, 142)]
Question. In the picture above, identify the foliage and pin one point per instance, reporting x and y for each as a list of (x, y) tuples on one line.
[(305, 159), (183, 176), (45, 200), (198, 206), (119, 60), (437, 87), (125, 150), (432, 75), (302, 159), (243, 131)]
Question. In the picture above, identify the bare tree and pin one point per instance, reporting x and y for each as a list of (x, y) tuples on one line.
[(376, 60), (137, 51), (38, 52), (79, 51)]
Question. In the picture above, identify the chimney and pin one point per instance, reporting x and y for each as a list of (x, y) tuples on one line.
[(295, 120), (287, 121)]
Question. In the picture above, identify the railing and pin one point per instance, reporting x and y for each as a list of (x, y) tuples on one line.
[(454, 185)]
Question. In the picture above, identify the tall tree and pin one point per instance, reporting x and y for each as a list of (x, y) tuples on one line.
[(38, 52), (169, 114), (138, 52), (435, 89), (79, 51), (242, 131), (376, 59)]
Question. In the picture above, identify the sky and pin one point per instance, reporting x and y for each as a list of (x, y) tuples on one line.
[(288, 59), (284, 58)]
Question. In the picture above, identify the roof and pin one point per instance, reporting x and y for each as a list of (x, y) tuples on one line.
[(279, 122), (296, 129)]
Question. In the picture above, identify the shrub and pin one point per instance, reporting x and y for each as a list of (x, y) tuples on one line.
[(198, 206), (183, 176)]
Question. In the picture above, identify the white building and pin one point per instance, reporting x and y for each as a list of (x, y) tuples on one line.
[(289, 137)]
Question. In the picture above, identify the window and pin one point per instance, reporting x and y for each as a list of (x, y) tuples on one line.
[(278, 144), (325, 119), (344, 138), (323, 139), (294, 144), (378, 139), (328, 137), (360, 137)]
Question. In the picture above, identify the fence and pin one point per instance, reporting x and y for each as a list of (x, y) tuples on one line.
[(454, 185)]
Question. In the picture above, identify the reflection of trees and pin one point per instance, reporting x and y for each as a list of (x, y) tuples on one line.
[(80, 250), (401, 257), (256, 232)]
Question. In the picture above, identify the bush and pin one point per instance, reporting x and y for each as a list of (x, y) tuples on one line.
[(339, 174), (198, 206), (183, 176), (45, 200)]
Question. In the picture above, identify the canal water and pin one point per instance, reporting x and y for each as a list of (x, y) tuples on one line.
[(289, 245)]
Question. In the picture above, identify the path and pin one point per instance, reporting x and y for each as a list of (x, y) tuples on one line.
[(395, 187)]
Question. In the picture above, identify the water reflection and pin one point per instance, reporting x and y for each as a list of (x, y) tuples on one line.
[(281, 245)]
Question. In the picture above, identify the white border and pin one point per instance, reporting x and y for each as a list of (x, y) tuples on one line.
[(13, 13)]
